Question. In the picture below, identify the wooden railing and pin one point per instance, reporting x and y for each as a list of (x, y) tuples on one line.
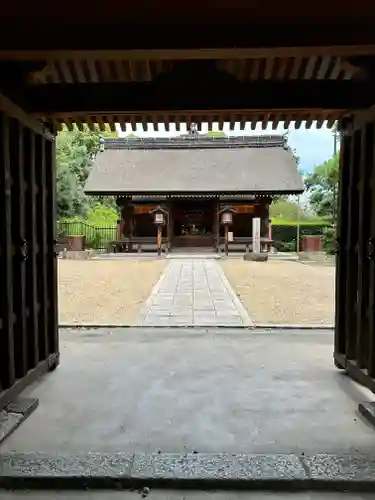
[(137, 244)]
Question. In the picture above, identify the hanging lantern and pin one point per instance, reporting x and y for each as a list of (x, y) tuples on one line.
[(227, 216), (159, 216)]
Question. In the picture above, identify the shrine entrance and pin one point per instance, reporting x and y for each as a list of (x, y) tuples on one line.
[(307, 64), (193, 223)]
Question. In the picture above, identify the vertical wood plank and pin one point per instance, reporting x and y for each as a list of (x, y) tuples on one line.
[(31, 236), (351, 250), (7, 368), (371, 255), (42, 247), (20, 248), (363, 235), (341, 259), (51, 258)]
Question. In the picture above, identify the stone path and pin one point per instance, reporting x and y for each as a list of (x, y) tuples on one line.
[(193, 292)]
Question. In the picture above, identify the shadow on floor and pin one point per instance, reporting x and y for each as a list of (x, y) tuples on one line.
[(195, 390)]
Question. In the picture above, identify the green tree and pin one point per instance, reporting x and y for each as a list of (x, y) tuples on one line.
[(288, 210), (322, 186), (216, 133), (75, 152), (71, 200)]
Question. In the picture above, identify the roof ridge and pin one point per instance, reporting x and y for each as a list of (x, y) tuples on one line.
[(189, 141)]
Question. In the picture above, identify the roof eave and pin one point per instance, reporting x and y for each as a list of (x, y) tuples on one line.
[(193, 193)]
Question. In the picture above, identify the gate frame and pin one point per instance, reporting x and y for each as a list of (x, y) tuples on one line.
[(28, 301), (355, 267)]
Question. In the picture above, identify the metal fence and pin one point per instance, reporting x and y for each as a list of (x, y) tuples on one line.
[(97, 237)]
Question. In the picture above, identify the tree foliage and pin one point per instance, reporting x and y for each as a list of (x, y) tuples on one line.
[(322, 186), (284, 209), (75, 152), (216, 133)]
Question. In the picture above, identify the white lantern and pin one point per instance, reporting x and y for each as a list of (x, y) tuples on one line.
[(226, 218), (159, 218)]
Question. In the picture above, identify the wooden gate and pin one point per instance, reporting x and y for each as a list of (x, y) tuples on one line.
[(28, 265), (355, 276)]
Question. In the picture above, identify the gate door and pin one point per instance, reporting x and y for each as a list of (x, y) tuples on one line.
[(355, 275), (28, 265)]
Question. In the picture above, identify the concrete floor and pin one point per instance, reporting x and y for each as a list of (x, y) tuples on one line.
[(181, 495), (209, 390)]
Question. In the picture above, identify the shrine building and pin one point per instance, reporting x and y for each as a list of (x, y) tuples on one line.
[(193, 177)]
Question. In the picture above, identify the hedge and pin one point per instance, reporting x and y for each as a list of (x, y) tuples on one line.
[(285, 235)]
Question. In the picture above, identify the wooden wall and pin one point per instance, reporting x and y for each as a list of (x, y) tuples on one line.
[(28, 265), (355, 281)]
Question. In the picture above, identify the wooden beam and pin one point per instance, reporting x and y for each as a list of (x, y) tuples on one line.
[(114, 98), (241, 33), (16, 112)]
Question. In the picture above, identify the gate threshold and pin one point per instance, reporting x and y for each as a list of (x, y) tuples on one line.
[(200, 471)]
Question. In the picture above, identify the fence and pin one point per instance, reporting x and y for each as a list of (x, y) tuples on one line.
[(285, 236), (96, 237)]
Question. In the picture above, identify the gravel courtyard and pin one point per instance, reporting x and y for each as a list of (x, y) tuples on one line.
[(276, 292), (283, 292), (105, 292)]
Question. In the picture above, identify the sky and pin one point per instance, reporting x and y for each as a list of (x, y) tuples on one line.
[(313, 146)]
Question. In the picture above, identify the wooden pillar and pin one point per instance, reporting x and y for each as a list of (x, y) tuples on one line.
[(216, 224), (32, 244), (16, 141), (265, 225), (371, 257), (51, 264), (352, 248), (364, 222), (159, 238), (342, 256), (226, 231), (127, 219), (7, 369), (170, 225), (40, 154)]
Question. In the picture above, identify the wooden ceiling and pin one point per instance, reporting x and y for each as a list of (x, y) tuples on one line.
[(196, 62), (143, 70), (127, 88), (209, 11)]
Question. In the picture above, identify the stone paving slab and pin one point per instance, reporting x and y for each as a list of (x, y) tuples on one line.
[(218, 466), (14, 414), (341, 468), (280, 472), (173, 494), (193, 292)]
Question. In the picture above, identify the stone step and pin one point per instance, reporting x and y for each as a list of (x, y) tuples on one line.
[(197, 471), (162, 494)]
